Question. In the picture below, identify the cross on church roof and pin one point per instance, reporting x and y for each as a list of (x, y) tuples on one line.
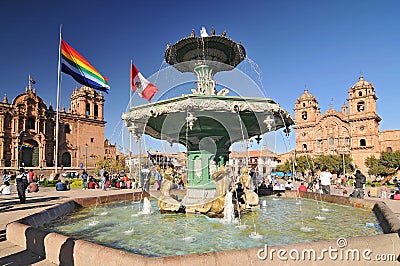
[(331, 104)]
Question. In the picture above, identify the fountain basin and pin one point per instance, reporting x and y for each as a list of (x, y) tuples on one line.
[(68, 251)]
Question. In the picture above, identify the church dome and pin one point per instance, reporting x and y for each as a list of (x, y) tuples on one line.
[(361, 83), (306, 96)]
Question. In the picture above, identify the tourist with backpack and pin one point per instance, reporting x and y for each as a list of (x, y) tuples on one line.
[(359, 185)]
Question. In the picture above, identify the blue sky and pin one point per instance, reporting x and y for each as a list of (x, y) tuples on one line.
[(319, 45)]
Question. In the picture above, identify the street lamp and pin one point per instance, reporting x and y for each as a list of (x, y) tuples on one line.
[(86, 157), (19, 146), (248, 144)]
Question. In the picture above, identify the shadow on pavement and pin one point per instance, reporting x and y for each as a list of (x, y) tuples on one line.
[(22, 207), (21, 258), (2, 235), (29, 200)]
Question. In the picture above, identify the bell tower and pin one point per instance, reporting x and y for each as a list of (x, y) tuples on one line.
[(88, 103), (307, 113), (84, 126), (363, 119)]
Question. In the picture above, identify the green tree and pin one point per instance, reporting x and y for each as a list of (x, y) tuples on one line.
[(387, 166), (113, 165), (334, 162)]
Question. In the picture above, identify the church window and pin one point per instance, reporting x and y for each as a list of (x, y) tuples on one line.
[(91, 139), (67, 128), (360, 93), (304, 147), (304, 104), (347, 140), (360, 106), (363, 143), (87, 109), (96, 110), (303, 134), (319, 141), (362, 128), (331, 141), (389, 149), (304, 115), (30, 123)]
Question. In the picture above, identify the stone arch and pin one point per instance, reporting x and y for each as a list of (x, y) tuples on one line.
[(66, 159), (29, 153)]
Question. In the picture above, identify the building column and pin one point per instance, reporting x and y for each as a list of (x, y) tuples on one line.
[(2, 161), (100, 109), (2, 129), (42, 154)]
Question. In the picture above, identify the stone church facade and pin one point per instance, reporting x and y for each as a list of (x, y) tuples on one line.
[(27, 130), (353, 130)]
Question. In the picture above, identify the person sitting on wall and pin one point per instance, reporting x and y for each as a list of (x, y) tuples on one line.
[(6, 188), (289, 185), (302, 187), (396, 195), (92, 184), (33, 187), (67, 185), (60, 186)]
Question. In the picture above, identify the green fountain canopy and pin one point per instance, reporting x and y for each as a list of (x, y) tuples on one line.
[(223, 53), (190, 118)]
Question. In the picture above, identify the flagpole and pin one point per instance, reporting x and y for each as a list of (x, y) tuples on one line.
[(130, 87), (58, 98)]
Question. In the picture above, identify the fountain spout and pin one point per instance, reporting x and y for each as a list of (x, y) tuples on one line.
[(229, 212)]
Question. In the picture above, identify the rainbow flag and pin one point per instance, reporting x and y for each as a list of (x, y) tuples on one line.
[(80, 69), (27, 145)]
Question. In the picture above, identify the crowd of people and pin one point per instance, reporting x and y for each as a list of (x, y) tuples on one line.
[(325, 180), (28, 182)]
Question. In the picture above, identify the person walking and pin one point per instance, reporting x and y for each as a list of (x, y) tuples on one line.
[(325, 178), (145, 179), (84, 177), (103, 178), (359, 184), (22, 184), (158, 177)]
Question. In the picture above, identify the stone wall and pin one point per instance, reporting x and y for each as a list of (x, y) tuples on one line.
[(63, 250)]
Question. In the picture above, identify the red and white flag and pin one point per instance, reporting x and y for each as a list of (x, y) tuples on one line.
[(144, 88)]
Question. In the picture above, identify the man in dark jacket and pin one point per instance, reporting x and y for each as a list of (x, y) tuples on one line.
[(359, 184), (22, 184)]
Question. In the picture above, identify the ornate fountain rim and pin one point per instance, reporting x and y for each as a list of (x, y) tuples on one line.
[(187, 102), (190, 51)]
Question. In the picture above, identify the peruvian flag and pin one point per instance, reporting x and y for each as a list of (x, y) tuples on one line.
[(145, 88)]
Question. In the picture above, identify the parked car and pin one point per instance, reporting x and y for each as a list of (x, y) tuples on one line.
[(70, 174)]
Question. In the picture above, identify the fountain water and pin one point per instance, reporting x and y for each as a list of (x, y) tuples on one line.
[(146, 206), (229, 211)]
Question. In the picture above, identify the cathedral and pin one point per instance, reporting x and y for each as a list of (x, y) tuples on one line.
[(28, 131), (353, 130)]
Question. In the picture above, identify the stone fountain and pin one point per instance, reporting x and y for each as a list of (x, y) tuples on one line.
[(207, 122)]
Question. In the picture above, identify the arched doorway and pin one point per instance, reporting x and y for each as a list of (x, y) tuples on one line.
[(29, 153), (66, 159)]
